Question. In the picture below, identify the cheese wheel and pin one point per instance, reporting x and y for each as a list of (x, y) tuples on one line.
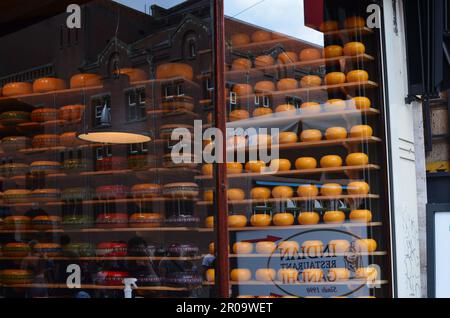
[(336, 133), (260, 220), (361, 131), (241, 275), (361, 102), (339, 246), (85, 80), (242, 248), (357, 159), (310, 81), (234, 168), (48, 84), (354, 49), (333, 51), (310, 54), (331, 161), (262, 111), (235, 194), (17, 88), (256, 166), (310, 108), (360, 216), (287, 137), (283, 219), (265, 86), (366, 245), (260, 193), (264, 61), (174, 70), (334, 217), (239, 114), (242, 89), (328, 26), (208, 195), (357, 76), (307, 191), (312, 248), (237, 221), (289, 247), (287, 58), (367, 273), (335, 78), (304, 163), (210, 275), (358, 188), (261, 36), (207, 169), (285, 108), (241, 64), (280, 165), (209, 222), (287, 84), (331, 189), (335, 105), (265, 247), (354, 22), (282, 192), (311, 135), (240, 39), (308, 218)]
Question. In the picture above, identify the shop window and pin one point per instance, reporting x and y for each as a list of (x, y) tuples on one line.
[(190, 46), (175, 89), (98, 106), (135, 100), (103, 152), (135, 149)]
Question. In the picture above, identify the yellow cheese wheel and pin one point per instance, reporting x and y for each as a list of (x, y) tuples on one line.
[(311, 135), (339, 246), (335, 78), (261, 220), (332, 51), (207, 169), (264, 61), (240, 39), (304, 163), (335, 105), (242, 248), (262, 111), (48, 84), (361, 102), (354, 22), (357, 159), (310, 108), (239, 114), (235, 194), (336, 133), (287, 84), (308, 218), (366, 273), (358, 188), (210, 275), (309, 81), (331, 161), (361, 216), (331, 190), (285, 108), (17, 88), (283, 219), (237, 221), (287, 137), (242, 89), (307, 191), (234, 168), (265, 247), (361, 131), (255, 166), (260, 193), (265, 86), (241, 64), (312, 248), (357, 76), (310, 54), (265, 274), (280, 165), (287, 58), (85, 80), (289, 247), (354, 48), (282, 192), (241, 275), (365, 245), (334, 217), (209, 222), (328, 26)]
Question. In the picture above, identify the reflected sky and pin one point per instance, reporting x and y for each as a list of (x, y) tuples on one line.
[(286, 16)]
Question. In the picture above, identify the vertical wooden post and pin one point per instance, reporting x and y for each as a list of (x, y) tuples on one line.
[(221, 217)]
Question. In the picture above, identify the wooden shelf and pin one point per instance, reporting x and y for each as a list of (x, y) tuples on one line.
[(351, 282), (64, 286), (296, 172), (279, 119), (300, 255), (314, 144), (300, 227), (238, 74), (100, 259)]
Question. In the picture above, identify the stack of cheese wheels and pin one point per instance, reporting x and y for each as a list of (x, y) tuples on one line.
[(174, 70), (48, 84), (85, 80)]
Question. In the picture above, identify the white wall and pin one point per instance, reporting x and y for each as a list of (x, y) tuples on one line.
[(402, 143)]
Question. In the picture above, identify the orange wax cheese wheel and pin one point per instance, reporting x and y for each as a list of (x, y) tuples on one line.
[(209, 222), (208, 195), (240, 39), (239, 114), (333, 51), (287, 84), (265, 274), (331, 161), (262, 111), (17, 88), (85, 80), (361, 131), (207, 169), (357, 159), (48, 84), (260, 193), (242, 89), (210, 275), (357, 76), (331, 189), (311, 135), (312, 275), (312, 248), (334, 217), (287, 58), (283, 219), (289, 247), (174, 70), (328, 26), (304, 163), (354, 48), (358, 188), (241, 64), (338, 274), (241, 275), (369, 273), (335, 105), (261, 36), (335, 78), (287, 137), (242, 248), (264, 61), (265, 86), (282, 192), (366, 245), (234, 167), (339, 246), (354, 22), (235, 194), (265, 247), (309, 81), (361, 216), (237, 221), (362, 102), (307, 191), (310, 54), (336, 133), (308, 218), (280, 165), (285, 108), (261, 220), (255, 166), (310, 107)]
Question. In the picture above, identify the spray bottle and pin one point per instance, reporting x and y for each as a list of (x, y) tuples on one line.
[(130, 284)]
